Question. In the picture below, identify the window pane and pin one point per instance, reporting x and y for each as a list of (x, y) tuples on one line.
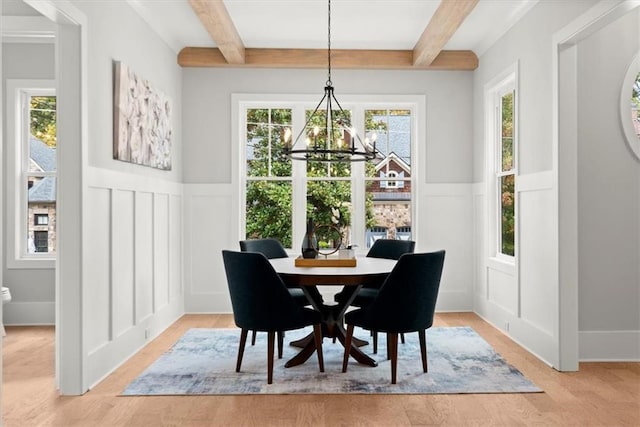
[(41, 193), (40, 242), (388, 213), (265, 142), (388, 198), (507, 132), (507, 214), (40, 219), (392, 129), (329, 205), (42, 123), (269, 210)]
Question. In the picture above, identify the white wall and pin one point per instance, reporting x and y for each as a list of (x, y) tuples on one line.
[(132, 266), (32, 290), (523, 300), (443, 198), (608, 198)]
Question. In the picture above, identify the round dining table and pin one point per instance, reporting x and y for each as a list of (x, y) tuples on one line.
[(367, 270)]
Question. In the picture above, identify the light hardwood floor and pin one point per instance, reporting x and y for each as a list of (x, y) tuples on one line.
[(600, 394)]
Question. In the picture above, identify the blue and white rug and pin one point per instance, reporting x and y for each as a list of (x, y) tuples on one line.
[(202, 362)]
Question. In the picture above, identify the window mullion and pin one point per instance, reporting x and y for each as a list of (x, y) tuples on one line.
[(299, 184)]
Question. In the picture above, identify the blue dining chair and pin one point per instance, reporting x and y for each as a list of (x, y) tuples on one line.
[(405, 303), (272, 248), (261, 302), (381, 248)]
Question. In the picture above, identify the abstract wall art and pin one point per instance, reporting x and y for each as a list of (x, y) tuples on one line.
[(142, 130)]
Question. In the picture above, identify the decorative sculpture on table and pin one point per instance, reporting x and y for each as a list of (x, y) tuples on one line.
[(310, 242)]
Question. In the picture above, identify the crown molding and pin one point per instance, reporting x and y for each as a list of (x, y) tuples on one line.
[(27, 29)]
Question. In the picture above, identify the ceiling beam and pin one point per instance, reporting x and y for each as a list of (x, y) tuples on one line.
[(444, 23), (317, 58), (215, 18)]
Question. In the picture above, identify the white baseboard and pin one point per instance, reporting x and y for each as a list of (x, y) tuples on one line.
[(29, 313), (609, 346)]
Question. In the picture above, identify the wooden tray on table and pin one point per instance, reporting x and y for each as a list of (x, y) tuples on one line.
[(325, 262)]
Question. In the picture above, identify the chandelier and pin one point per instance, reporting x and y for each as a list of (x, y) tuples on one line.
[(327, 135)]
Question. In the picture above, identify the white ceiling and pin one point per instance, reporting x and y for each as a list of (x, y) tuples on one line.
[(355, 24)]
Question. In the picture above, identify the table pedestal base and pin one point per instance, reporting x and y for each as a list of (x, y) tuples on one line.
[(332, 327)]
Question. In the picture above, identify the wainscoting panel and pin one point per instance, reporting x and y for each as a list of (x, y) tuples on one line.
[(133, 280), (161, 251), (445, 222), (98, 260), (501, 290), (521, 300), (444, 217), (479, 244), (538, 303), (144, 255), (211, 226), (176, 287), (123, 270)]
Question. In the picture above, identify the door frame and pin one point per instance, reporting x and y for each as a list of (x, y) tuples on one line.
[(71, 89), (565, 166)]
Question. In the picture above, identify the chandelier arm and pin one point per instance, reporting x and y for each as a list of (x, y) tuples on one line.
[(308, 121), (357, 136)]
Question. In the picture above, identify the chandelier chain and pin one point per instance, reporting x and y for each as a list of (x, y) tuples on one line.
[(329, 44)]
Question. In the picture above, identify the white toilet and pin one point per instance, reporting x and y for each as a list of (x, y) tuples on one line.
[(6, 297)]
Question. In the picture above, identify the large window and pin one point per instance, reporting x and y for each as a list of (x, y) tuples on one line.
[(502, 172), (32, 166), (352, 202)]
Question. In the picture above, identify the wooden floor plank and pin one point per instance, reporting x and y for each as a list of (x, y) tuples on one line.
[(599, 394)]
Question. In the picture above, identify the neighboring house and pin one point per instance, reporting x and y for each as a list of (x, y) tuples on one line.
[(42, 198), (391, 200), (392, 193)]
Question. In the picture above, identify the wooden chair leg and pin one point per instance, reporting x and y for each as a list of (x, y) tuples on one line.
[(392, 344), (388, 349), (375, 342), (280, 343), (347, 347), (243, 340), (253, 338), (423, 349), (317, 333), (271, 337)]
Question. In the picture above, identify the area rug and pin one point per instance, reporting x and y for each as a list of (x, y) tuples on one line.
[(202, 362)]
